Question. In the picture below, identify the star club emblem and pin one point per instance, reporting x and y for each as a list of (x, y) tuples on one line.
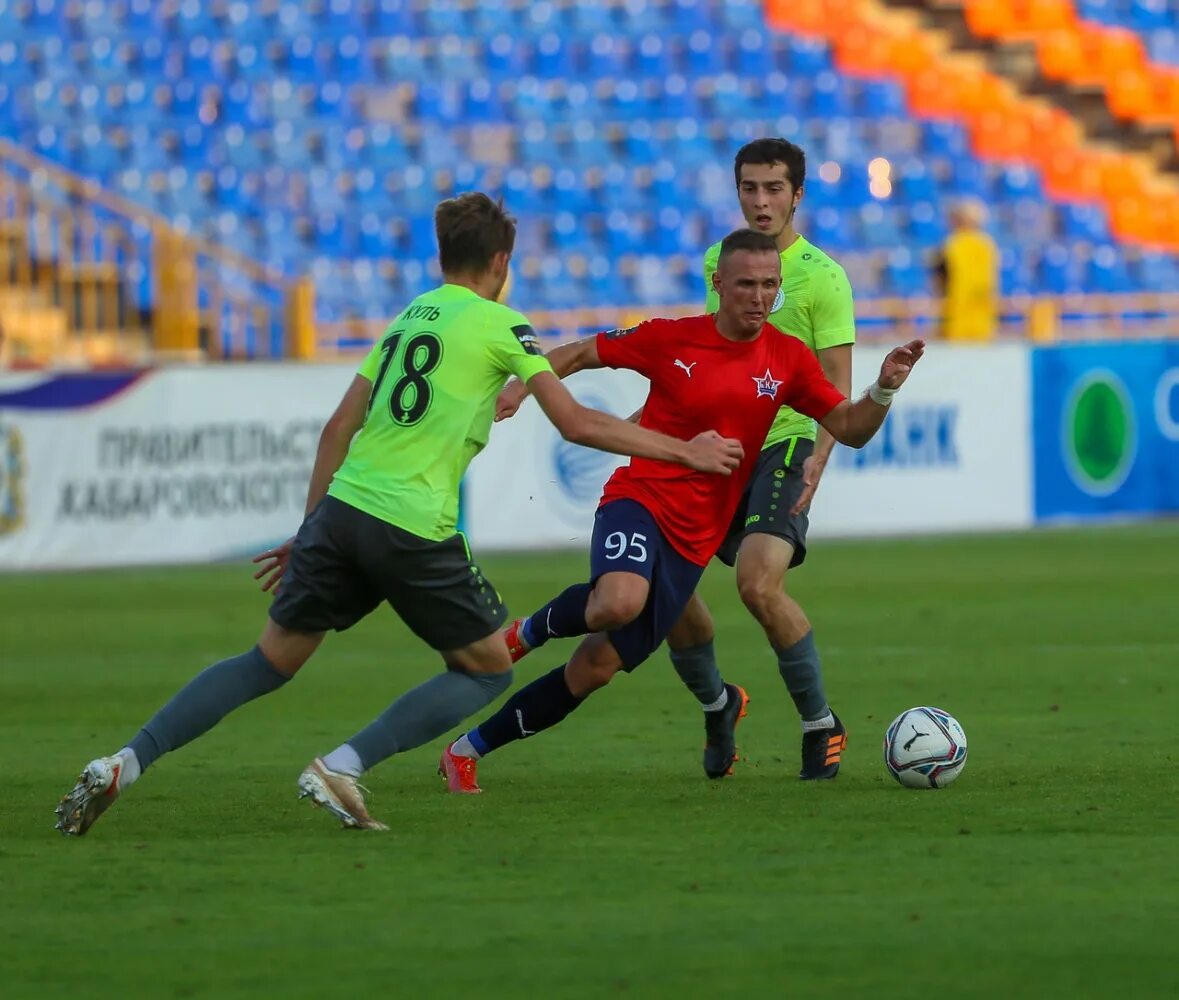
[(767, 385)]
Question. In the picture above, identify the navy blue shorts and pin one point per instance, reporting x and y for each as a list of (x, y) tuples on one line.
[(627, 540)]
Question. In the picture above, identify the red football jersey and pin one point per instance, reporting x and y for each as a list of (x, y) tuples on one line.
[(701, 381)]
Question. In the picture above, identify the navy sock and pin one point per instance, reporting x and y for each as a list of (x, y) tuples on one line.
[(563, 616), (534, 708)]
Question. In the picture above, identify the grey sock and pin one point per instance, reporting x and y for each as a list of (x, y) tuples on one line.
[(800, 669), (697, 668), (426, 712), (203, 702)]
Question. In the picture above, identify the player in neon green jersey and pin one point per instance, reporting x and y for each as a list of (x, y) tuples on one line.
[(380, 525), (768, 536)]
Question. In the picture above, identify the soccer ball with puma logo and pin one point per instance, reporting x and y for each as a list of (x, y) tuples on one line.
[(925, 748)]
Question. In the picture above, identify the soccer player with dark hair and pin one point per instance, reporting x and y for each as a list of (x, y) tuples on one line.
[(658, 525), (768, 535), (382, 507)]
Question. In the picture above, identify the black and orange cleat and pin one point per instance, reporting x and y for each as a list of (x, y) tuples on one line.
[(720, 733), (517, 647), (821, 752)]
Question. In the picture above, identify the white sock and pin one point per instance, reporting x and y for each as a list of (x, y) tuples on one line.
[(463, 747), (720, 703), (827, 722), (344, 760), (131, 769)]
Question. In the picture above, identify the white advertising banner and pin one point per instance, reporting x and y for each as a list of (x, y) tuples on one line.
[(531, 489), (159, 466), (196, 464), (954, 454)]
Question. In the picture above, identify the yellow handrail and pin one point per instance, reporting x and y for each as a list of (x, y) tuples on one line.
[(194, 312)]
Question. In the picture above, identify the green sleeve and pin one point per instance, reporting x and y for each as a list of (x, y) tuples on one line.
[(515, 348), (372, 362), (833, 316), (711, 299)]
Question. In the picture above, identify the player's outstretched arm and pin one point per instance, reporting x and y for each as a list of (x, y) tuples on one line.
[(565, 360), (854, 424), (337, 435), (334, 440), (707, 452)]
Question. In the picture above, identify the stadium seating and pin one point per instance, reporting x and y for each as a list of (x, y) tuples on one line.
[(316, 137), (1107, 53)]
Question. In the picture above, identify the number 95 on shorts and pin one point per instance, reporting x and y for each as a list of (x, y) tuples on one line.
[(627, 540)]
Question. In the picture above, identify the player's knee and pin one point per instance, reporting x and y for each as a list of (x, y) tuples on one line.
[(613, 609), (493, 685), (587, 672), (691, 630), (759, 594), (286, 651)]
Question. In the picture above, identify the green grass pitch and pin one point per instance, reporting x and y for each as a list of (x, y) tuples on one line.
[(600, 862)]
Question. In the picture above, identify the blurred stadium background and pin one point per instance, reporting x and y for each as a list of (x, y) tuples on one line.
[(217, 178), (188, 184)]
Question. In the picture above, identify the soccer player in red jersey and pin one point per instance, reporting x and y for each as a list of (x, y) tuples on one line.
[(659, 524)]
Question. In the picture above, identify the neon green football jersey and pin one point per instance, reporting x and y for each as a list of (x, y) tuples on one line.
[(814, 305), (435, 374)]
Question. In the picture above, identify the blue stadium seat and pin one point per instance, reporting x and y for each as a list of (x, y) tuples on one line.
[(1016, 272), (906, 274), (808, 57), (1163, 46), (1102, 11), (605, 56), (1158, 272), (1083, 222), (1059, 271), (325, 131), (1107, 271), (1147, 15)]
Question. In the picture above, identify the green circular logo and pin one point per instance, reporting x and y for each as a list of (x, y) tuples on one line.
[(1100, 438)]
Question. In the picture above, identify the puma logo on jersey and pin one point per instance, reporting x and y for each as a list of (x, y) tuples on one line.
[(686, 368)]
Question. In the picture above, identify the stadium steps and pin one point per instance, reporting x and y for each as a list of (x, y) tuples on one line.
[(1136, 110), (122, 279), (870, 38), (32, 330)]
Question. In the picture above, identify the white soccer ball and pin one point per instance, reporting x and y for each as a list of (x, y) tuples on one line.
[(925, 748)]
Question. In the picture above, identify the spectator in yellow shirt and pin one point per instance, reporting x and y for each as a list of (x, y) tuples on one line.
[(969, 271)]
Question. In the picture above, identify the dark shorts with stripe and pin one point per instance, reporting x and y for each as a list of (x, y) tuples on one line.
[(345, 562), (626, 539), (765, 505)]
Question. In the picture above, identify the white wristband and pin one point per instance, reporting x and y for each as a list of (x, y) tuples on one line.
[(880, 395)]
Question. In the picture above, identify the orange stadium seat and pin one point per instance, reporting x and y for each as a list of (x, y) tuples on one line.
[(863, 50), (1117, 49), (932, 92), (1061, 55), (1072, 173), (991, 18), (808, 16), (911, 53), (1003, 124), (1047, 15), (1132, 94), (999, 135), (1121, 175), (1168, 96)]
